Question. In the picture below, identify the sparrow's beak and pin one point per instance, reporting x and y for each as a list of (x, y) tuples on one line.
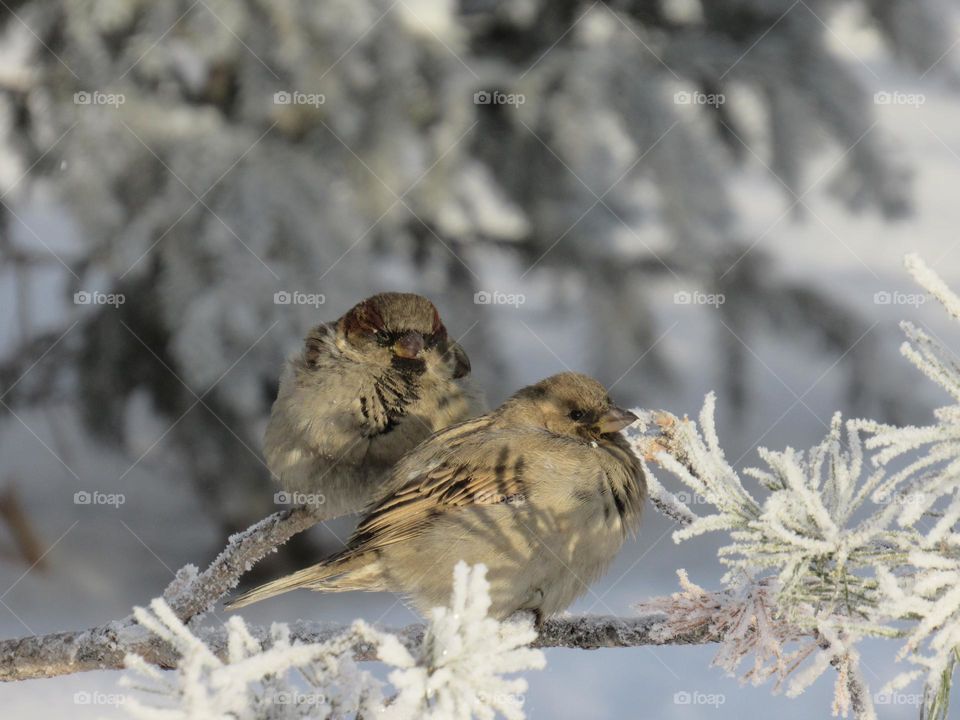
[(614, 419), (409, 345)]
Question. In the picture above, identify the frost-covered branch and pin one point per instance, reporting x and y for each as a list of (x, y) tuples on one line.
[(858, 536), (191, 594), (103, 647), (463, 665), (803, 542)]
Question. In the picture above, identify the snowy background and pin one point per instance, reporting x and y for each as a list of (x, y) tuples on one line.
[(810, 271)]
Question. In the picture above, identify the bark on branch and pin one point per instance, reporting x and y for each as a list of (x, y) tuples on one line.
[(104, 647), (190, 595), (243, 551)]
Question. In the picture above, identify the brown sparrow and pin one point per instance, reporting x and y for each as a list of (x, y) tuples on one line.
[(364, 390), (543, 491)]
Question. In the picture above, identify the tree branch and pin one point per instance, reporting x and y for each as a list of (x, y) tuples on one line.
[(190, 596), (104, 647)]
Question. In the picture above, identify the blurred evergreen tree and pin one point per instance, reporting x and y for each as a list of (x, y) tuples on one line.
[(214, 153)]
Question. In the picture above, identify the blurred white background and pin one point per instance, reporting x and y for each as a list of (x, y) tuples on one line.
[(764, 199)]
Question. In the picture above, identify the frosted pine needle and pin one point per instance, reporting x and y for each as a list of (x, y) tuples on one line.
[(465, 668)]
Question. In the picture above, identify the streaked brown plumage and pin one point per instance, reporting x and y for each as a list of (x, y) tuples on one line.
[(364, 390), (543, 491)]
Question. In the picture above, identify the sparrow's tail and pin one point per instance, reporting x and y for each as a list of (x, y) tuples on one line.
[(335, 575)]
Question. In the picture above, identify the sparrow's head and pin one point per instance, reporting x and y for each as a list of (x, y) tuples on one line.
[(400, 330), (570, 404)]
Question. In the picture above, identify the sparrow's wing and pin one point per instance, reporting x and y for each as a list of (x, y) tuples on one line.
[(458, 360), (314, 344), (494, 474)]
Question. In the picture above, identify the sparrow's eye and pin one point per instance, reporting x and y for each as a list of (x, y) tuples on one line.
[(576, 415), (382, 337)]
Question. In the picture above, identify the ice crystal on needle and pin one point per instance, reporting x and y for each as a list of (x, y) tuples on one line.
[(744, 616), (855, 537), (459, 672), (799, 591), (926, 487), (251, 682), (804, 528)]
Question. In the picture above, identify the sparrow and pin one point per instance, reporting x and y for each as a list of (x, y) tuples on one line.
[(361, 392), (543, 491)]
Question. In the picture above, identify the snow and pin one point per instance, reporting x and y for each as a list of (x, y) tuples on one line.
[(805, 537), (100, 569), (463, 668)]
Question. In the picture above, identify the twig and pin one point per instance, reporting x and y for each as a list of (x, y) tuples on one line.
[(190, 597)]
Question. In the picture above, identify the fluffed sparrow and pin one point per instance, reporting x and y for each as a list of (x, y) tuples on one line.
[(364, 390), (543, 491)]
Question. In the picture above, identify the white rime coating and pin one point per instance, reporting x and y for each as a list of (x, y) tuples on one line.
[(462, 668)]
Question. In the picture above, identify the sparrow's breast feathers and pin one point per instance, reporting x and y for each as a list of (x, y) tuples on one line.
[(387, 400), (384, 394)]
